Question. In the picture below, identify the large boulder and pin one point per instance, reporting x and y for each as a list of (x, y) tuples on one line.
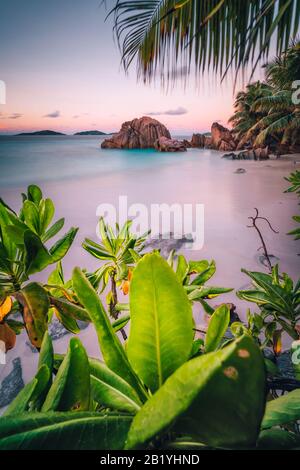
[(137, 134), (198, 141), (163, 144), (222, 138)]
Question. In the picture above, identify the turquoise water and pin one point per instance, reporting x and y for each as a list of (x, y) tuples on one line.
[(42, 158)]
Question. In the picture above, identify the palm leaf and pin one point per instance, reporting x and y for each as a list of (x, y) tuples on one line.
[(206, 34)]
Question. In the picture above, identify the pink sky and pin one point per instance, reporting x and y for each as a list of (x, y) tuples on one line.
[(63, 63)]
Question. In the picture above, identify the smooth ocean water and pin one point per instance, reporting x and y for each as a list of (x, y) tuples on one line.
[(38, 159)]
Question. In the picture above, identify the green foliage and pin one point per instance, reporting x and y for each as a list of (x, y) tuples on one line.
[(161, 332), (111, 347), (161, 35), (217, 399), (294, 179), (283, 410), (217, 327), (71, 387), (206, 394), (23, 252), (279, 302), (161, 389), (61, 431), (265, 112)]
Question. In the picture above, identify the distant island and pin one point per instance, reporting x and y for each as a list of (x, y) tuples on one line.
[(47, 132), (90, 133)]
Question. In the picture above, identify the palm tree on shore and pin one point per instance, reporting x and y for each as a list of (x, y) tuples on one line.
[(177, 37), (245, 116), (281, 115)]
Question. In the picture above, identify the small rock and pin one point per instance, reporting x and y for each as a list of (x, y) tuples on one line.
[(166, 245), (240, 171), (285, 365), (230, 155), (12, 384)]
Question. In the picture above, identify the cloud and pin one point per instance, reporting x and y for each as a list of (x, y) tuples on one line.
[(55, 114), (11, 116), (76, 116), (15, 116), (170, 112)]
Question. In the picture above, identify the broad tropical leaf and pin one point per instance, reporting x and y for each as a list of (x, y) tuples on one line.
[(110, 345), (35, 302), (161, 330), (282, 410), (64, 431), (217, 398), (70, 390), (217, 327), (178, 38)]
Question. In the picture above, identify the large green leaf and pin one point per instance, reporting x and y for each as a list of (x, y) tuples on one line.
[(64, 431), (217, 327), (31, 393), (53, 230), (278, 439), (161, 331), (46, 214), (37, 255), (71, 387), (35, 303), (62, 246), (283, 410), (34, 194), (217, 398), (70, 309), (31, 216), (205, 275), (110, 390), (7, 241), (111, 347)]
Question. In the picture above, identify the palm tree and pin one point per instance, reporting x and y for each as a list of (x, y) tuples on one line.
[(281, 119), (175, 37), (245, 117)]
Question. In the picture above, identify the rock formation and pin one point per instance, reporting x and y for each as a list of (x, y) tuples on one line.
[(256, 154), (137, 134), (222, 138), (163, 144)]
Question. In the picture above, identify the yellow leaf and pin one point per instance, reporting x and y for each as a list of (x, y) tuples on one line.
[(5, 308)]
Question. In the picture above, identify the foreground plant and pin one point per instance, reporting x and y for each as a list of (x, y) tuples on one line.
[(168, 36), (151, 394), (24, 251), (294, 179), (279, 302)]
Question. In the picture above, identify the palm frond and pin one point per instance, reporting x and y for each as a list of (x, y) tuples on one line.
[(278, 126), (170, 36), (280, 100)]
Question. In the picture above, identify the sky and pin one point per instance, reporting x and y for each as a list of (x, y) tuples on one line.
[(62, 72)]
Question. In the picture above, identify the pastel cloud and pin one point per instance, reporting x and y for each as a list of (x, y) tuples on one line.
[(54, 114), (170, 112), (11, 116)]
